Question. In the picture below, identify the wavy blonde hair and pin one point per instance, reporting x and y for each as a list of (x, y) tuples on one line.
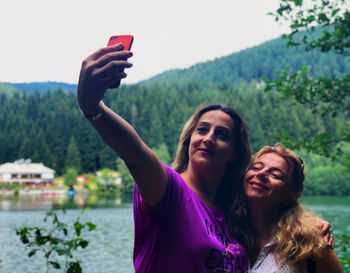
[(296, 233), (297, 237)]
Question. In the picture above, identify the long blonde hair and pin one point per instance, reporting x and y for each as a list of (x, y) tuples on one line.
[(296, 234), (297, 237)]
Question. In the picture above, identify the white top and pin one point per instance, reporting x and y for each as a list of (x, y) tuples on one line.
[(266, 263)]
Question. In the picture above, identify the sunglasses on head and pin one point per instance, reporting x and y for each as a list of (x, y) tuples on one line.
[(301, 161), (302, 164)]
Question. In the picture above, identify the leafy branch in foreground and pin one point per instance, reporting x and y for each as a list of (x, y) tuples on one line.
[(57, 240), (332, 15), (321, 144), (333, 18), (326, 96)]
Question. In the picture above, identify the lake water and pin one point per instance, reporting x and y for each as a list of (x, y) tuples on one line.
[(110, 248)]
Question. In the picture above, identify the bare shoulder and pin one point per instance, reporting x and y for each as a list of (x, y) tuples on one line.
[(328, 263)]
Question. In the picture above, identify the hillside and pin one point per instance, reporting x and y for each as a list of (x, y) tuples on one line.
[(42, 87), (49, 127), (253, 63), (8, 89)]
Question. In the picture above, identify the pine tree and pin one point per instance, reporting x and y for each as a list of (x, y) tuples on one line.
[(73, 156)]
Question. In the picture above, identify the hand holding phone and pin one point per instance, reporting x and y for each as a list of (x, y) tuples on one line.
[(126, 41)]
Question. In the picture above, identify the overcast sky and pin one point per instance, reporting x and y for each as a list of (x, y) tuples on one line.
[(46, 40)]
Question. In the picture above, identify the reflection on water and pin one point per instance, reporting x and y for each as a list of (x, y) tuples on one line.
[(109, 251), (111, 244), (49, 202)]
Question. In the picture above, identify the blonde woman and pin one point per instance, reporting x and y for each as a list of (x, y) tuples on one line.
[(287, 237)]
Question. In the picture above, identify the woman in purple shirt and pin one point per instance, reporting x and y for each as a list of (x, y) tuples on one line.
[(180, 213), (183, 218)]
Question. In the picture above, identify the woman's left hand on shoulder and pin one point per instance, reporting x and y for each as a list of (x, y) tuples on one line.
[(326, 232)]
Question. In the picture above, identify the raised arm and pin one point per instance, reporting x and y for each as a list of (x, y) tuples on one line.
[(103, 69)]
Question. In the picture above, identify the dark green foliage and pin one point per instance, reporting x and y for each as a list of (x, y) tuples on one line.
[(324, 176), (57, 239), (70, 177), (73, 156), (127, 180), (42, 126), (163, 153), (74, 267), (333, 16), (48, 125), (7, 90), (342, 248), (324, 94)]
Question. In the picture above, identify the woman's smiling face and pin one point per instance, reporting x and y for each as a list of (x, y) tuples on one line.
[(212, 141), (267, 179)]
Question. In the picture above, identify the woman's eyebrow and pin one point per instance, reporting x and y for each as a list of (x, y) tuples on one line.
[(220, 127), (279, 170), (224, 128), (272, 169), (203, 123)]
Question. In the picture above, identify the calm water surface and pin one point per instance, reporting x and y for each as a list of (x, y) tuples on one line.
[(111, 243), (335, 210), (110, 248)]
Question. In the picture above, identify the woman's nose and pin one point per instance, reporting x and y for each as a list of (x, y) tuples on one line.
[(209, 138), (262, 175)]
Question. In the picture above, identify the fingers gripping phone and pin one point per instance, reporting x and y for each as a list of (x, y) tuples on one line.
[(126, 41)]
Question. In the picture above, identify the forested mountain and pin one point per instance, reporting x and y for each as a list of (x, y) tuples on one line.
[(8, 89), (48, 126), (42, 87), (253, 63), (41, 126)]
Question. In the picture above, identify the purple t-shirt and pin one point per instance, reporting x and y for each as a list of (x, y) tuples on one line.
[(184, 235)]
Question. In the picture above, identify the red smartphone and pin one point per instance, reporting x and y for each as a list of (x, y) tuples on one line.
[(125, 40)]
